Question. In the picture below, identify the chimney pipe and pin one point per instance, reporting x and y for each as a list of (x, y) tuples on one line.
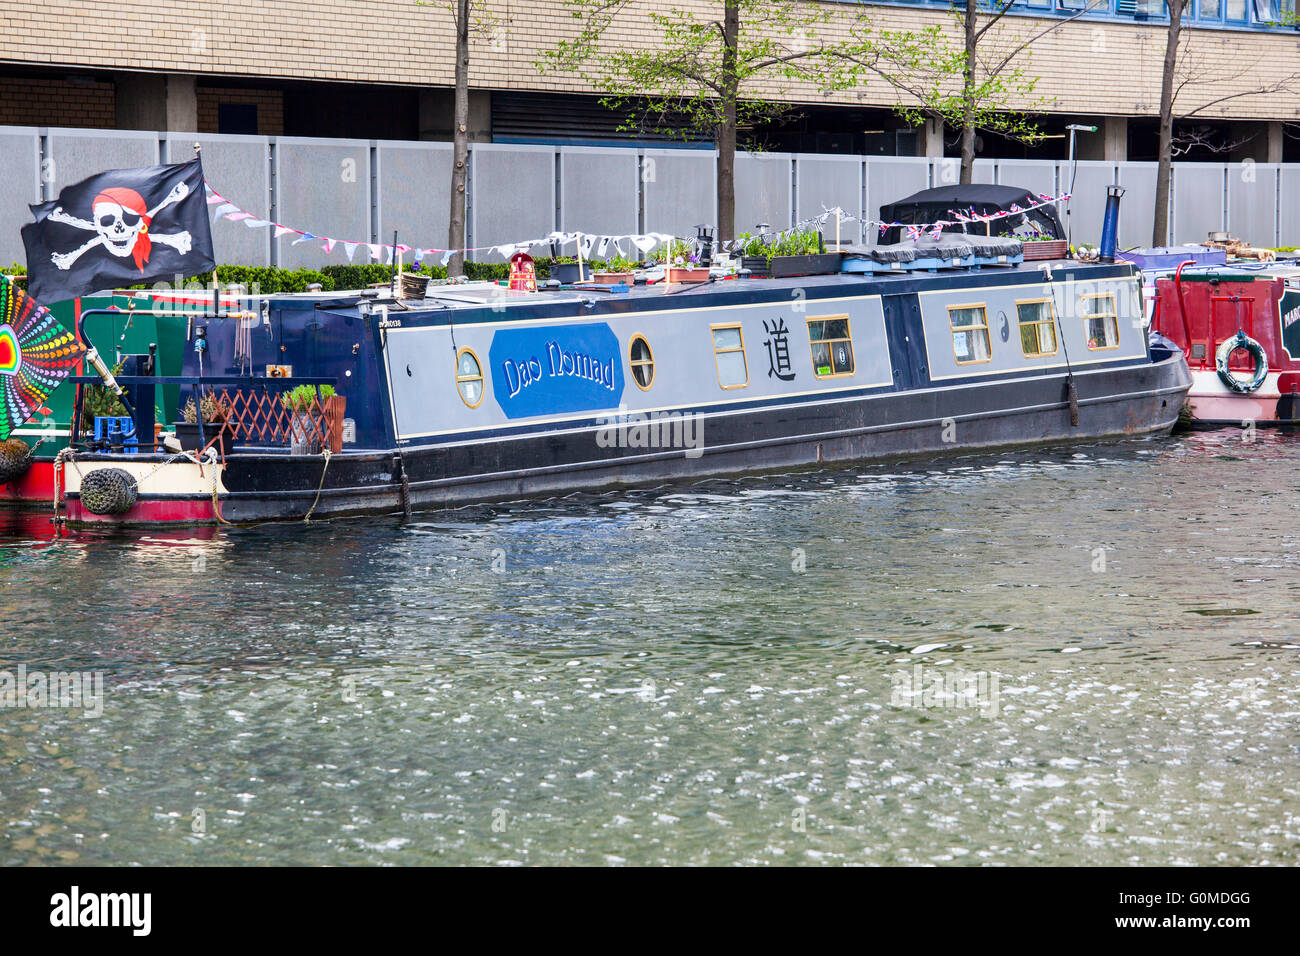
[(1110, 224)]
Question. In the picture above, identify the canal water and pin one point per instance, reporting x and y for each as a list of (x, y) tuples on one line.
[(1082, 656)]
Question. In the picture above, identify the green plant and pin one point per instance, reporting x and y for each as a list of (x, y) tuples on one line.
[(97, 401), (799, 242), (301, 397), (617, 264), (676, 251)]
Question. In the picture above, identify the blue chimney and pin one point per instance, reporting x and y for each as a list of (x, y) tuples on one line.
[(1110, 224)]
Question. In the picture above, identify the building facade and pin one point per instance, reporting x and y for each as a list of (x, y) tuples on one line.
[(383, 69)]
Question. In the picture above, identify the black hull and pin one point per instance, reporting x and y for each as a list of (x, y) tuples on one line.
[(1130, 401)]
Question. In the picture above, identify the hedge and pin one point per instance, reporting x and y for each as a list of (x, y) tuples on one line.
[(268, 280)]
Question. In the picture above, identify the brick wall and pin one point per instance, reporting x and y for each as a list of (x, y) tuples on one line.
[(1084, 67), (269, 103), (36, 101)]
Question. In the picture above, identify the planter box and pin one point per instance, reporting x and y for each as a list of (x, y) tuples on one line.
[(334, 409), (822, 264), (682, 274), (566, 272), (757, 265), (302, 435), (612, 278), (1052, 249), (187, 433)]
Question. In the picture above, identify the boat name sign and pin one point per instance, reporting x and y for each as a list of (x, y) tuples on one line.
[(556, 369)]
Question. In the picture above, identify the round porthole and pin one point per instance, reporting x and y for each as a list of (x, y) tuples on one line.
[(643, 363), (469, 378)]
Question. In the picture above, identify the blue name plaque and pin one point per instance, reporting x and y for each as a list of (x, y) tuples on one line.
[(556, 370)]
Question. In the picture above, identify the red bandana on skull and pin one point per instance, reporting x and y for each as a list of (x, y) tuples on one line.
[(114, 209)]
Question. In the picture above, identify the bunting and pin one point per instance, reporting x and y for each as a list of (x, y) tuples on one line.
[(587, 244)]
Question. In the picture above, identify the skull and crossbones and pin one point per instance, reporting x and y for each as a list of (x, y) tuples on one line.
[(120, 222)]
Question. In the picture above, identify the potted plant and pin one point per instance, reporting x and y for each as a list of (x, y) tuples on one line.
[(300, 402), (565, 269), (1039, 245), (215, 414), (801, 253), (754, 254), (681, 263), (615, 270)]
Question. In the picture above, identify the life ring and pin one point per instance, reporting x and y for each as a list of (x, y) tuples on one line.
[(1241, 341)]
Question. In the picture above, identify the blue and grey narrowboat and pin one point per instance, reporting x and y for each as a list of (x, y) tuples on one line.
[(474, 392)]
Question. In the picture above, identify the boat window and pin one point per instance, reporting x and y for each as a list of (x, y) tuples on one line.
[(970, 333), (1099, 320), (729, 355), (832, 345), (469, 377), (642, 361), (1037, 327)]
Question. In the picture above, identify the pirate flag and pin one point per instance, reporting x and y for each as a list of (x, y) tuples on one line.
[(36, 355), (120, 228)]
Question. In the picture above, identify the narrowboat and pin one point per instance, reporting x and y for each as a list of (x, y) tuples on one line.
[(1239, 327), (474, 392)]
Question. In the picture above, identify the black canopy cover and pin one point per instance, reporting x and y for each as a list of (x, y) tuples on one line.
[(932, 205)]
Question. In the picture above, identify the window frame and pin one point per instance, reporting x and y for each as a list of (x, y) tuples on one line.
[(988, 339), (1050, 321), (634, 364), (480, 378), (1113, 315), (717, 369), (853, 357)]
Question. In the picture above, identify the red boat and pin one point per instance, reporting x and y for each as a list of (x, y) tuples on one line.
[(1240, 330)]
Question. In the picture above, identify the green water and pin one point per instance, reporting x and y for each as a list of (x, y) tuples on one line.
[(703, 674)]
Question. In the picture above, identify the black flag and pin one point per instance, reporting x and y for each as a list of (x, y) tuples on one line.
[(119, 228)]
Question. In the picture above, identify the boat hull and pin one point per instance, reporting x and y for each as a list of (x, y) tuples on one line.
[(1115, 402)]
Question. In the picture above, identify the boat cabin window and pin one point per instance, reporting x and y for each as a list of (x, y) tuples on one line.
[(469, 377), (832, 345), (642, 361), (1099, 320), (970, 333), (1037, 327), (729, 356)]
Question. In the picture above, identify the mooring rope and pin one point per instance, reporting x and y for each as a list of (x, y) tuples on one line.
[(64, 453), (320, 487)]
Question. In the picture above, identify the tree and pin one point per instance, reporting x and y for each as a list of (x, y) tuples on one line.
[(1188, 69), (1160, 225), (713, 77), (469, 18), (459, 140), (977, 86)]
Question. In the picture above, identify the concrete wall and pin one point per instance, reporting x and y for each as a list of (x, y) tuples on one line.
[(361, 190)]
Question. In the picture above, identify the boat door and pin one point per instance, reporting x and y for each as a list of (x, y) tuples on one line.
[(906, 340)]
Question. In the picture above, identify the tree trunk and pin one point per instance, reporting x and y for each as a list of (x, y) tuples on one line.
[(1160, 227), (460, 142), (971, 23), (727, 129)]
